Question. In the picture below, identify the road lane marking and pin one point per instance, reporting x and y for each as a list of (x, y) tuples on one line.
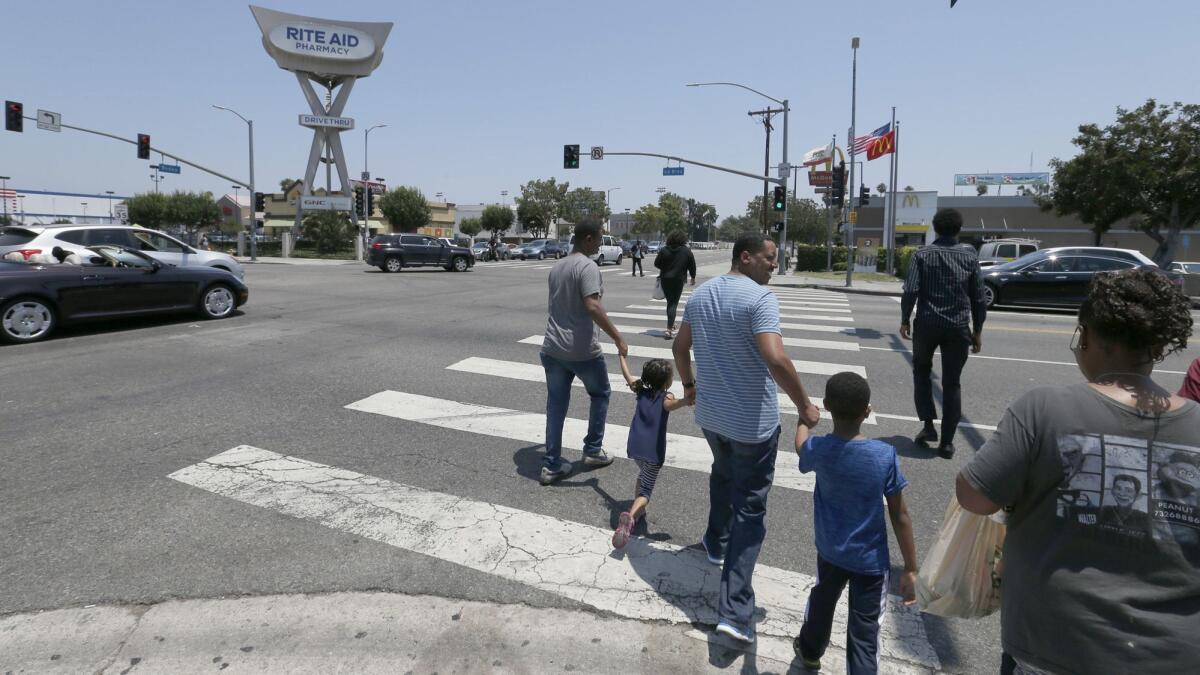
[(786, 326), (807, 317), (1013, 358), (648, 581), (806, 343), (807, 367), (532, 372), (690, 453), (816, 307)]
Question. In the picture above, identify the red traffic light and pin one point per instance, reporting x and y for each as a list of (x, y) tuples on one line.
[(143, 146), (14, 116)]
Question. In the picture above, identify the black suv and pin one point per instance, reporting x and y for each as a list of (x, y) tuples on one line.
[(394, 252)]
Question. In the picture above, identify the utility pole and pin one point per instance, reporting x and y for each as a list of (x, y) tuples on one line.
[(850, 142), (766, 115)]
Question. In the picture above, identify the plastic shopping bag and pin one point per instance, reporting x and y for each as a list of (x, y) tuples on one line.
[(960, 576), (658, 291)]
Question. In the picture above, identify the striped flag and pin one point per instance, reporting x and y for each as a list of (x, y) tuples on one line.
[(861, 143)]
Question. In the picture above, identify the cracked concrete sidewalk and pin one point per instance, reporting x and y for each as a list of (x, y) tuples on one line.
[(369, 633)]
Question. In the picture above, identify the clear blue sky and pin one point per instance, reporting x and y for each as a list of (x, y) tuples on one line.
[(480, 96)]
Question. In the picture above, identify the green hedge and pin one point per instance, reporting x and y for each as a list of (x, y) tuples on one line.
[(810, 258)]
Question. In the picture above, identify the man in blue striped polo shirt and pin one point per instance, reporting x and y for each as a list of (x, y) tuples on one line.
[(732, 322)]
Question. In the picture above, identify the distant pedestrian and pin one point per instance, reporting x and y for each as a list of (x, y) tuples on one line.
[(943, 282), (636, 253), (204, 241), (741, 366), (1102, 552), (1191, 382), (675, 263), (570, 350), (647, 435), (853, 472)]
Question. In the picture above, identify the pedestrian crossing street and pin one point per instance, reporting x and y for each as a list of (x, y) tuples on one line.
[(649, 580)]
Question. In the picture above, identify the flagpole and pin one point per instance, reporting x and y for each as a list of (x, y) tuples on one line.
[(850, 141), (829, 211), (889, 226)]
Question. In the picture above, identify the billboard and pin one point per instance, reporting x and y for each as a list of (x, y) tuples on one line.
[(971, 179)]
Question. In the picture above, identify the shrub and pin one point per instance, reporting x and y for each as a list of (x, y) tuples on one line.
[(839, 267), (811, 258)]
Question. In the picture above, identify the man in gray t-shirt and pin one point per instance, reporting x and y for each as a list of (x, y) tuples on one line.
[(570, 350)]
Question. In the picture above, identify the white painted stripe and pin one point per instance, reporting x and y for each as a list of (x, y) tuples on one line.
[(1013, 358), (648, 581), (606, 270), (806, 317), (796, 301), (815, 306), (807, 367), (532, 372), (908, 418), (661, 318), (787, 341), (690, 453)]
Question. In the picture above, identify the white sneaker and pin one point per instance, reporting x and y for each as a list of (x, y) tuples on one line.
[(735, 633)]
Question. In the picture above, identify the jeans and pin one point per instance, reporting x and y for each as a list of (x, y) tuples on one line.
[(637, 267), (737, 511), (672, 289), (559, 375), (955, 344), (868, 596)]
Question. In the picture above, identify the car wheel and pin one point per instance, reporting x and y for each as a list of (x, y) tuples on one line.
[(600, 260), (26, 320), (619, 257), (989, 295), (459, 264), (393, 264), (218, 302), (541, 256)]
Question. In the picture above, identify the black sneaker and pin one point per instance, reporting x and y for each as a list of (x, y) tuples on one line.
[(548, 477), (928, 435), (598, 459), (946, 451), (811, 665)]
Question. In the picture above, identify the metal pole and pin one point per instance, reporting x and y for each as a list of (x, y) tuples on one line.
[(850, 183), (4, 186), (782, 253), (890, 205), (766, 172), (253, 213)]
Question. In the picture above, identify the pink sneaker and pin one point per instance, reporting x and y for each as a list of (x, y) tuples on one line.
[(624, 525)]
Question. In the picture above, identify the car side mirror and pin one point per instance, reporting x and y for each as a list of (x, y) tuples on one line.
[(1028, 272), (96, 260)]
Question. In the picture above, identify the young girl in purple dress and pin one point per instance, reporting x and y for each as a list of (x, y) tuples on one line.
[(647, 435)]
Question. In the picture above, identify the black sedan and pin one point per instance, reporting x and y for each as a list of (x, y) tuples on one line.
[(114, 282), (1049, 280)]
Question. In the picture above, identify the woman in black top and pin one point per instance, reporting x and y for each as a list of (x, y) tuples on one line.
[(675, 263)]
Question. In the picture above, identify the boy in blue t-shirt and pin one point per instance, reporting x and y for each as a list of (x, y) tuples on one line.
[(853, 471)]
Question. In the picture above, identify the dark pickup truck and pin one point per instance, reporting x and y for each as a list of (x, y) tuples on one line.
[(394, 252)]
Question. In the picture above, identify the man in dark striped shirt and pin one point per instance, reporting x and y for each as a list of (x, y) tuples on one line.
[(944, 283)]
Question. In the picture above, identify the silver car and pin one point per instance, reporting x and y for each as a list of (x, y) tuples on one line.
[(34, 239)]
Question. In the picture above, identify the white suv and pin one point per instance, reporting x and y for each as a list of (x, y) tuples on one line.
[(610, 251), (30, 240)]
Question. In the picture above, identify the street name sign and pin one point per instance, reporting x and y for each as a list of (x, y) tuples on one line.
[(672, 170), (311, 203), (50, 121), (597, 152), (326, 122), (168, 168)]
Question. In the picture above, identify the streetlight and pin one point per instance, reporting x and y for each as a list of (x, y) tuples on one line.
[(238, 204), (253, 215), (851, 143), (504, 197), (110, 198), (84, 205), (366, 136), (786, 168), (608, 204)]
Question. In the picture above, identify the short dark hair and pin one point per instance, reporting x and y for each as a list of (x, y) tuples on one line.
[(749, 242), (585, 230), (947, 222), (1137, 484), (1139, 309), (847, 396), (677, 238)]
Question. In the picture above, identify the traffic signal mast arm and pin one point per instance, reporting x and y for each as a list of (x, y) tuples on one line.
[(778, 181)]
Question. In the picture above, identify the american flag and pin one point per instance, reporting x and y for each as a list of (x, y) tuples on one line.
[(861, 143)]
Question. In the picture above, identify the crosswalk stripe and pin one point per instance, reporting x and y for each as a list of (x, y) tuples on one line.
[(690, 453), (813, 306), (806, 367), (661, 318), (606, 270), (532, 372), (830, 302), (649, 580), (806, 317)]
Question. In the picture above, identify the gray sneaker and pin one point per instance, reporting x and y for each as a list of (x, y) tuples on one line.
[(548, 477), (599, 459)]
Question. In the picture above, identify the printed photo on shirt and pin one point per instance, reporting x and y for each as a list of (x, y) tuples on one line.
[(1082, 485), (1174, 495)]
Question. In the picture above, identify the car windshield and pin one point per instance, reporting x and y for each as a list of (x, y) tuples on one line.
[(1190, 267)]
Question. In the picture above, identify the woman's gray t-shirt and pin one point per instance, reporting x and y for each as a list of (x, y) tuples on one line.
[(1102, 558), (570, 331)]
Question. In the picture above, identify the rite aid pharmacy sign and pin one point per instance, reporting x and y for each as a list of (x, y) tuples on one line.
[(321, 121), (328, 42)]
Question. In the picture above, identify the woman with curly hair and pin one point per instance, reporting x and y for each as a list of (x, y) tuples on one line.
[(675, 263), (1083, 593)]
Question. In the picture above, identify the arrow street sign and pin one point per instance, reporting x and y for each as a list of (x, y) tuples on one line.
[(672, 170), (50, 121), (597, 152)]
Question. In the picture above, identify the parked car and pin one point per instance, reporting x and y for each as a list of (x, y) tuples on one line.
[(31, 240), (1185, 267), (111, 281), (1047, 278), (653, 247), (541, 249), (609, 251), (478, 249), (1000, 251), (394, 252)]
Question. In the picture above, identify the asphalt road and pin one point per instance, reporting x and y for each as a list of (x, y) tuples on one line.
[(94, 422)]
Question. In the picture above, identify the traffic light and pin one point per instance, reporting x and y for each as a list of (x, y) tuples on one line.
[(14, 116), (370, 195), (260, 202), (358, 199), (570, 156), (839, 185), (778, 226), (143, 146), (864, 195), (780, 197)]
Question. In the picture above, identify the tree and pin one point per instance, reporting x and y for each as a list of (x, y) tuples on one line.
[(286, 183), (6, 220), (148, 209), (584, 205), (330, 230), (497, 219), (470, 227), (881, 188), (192, 210), (648, 221), (1144, 167), (405, 208), (540, 204), (981, 189), (908, 188), (674, 213), (807, 221), (700, 219), (733, 226), (60, 221)]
